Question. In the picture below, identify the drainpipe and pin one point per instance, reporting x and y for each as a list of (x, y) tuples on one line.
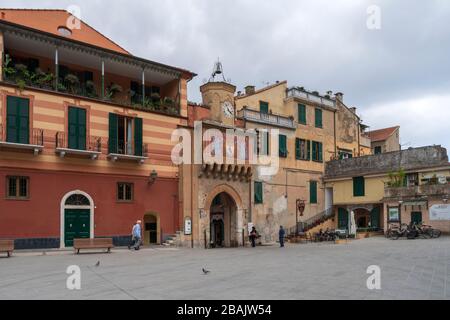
[(335, 139), (143, 87), (359, 137), (192, 193), (103, 79)]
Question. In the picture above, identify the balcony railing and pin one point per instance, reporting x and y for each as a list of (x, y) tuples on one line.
[(35, 141), (417, 191), (129, 151), (305, 95), (93, 143), (71, 84), (266, 118)]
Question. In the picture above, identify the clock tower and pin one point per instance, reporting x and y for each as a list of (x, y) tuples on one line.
[(219, 96)]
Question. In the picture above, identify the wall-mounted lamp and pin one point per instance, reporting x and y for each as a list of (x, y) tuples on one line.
[(153, 177)]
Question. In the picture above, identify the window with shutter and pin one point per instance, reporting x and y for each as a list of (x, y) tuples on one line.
[(77, 128), (313, 192), (318, 117), (298, 149), (263, 107), (17, 120), (138, 139), (113, 133), (317, 151), (258, 192), (283, 146), (301, 114), (358, 187)]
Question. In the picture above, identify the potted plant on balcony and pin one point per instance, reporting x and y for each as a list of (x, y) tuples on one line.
[(156, 100), (22, 76), (8, 69), (72, 83), (43, 80), (112, 90), (91, 92)]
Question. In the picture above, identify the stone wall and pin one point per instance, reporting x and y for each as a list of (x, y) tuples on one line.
[(410, 159)]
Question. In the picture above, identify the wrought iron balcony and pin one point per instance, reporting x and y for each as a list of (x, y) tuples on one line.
[(310, 97), (92, 147), (267, 118), (129, 151), (35, 142)]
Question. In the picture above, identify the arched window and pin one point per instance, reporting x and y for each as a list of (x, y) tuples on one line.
[(77, 200)]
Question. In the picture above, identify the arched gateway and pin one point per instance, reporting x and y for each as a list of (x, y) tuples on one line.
[(223, 219)]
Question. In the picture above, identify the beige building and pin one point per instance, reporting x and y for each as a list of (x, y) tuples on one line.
[(385, 140), (395, 187)]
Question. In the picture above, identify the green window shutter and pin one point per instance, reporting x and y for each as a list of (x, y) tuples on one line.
[(314, 150), (18, 120), (358, 187), (342, 219), (263, 107), (320, 152), (302, 114), (283, 146), (375, 218), (113, 133), (297, 149), (258, 192), (138, 139), (77, 128), (308, 143), (318, 118), (313, 191)]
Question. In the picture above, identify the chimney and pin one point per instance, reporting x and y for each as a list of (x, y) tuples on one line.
[(339, 96), (249, 89), (3, 15)]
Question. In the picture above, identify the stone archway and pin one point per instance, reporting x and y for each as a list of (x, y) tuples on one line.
[(223, 205)]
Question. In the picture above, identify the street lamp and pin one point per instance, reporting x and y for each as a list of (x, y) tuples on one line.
[(300, 207)]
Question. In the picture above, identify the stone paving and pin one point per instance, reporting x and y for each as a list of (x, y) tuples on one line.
[(416, 269)]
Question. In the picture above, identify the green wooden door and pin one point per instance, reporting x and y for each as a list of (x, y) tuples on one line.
[(342, 219), (416, 217), (17, 120), (77, 225), (77, 128), (375, 218)]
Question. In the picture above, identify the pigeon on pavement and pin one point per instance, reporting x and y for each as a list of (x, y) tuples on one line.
[(205, 271), (97, 264)]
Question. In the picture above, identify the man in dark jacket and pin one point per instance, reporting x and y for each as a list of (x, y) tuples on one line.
[(281, 235)]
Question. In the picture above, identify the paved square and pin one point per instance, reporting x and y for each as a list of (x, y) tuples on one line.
[(417, 269)]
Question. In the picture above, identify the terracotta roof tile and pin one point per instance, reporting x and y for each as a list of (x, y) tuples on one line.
[(382, 134), (50, 20)]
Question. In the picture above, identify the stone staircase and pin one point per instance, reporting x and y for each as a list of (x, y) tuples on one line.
[(311, 224), (173, 240)]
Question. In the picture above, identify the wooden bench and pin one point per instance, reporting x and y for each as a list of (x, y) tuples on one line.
[(7, 246), (97, 243)]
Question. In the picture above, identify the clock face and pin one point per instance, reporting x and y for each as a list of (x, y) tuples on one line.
[(228, 109)]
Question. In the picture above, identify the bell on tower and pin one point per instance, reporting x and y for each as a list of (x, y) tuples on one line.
[(218, 70)]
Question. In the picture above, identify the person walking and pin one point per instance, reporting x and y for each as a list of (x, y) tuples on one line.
[(136, 236), (253, 236), (281, 235)]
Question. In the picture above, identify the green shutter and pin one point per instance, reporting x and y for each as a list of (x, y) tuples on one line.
[(375, 218), (263, 107), (138, 139), (358, 187), (17, 120), (318, 118), (313, 191), (297, 149), (77, 129), (113, 133), (283, 146), (314, 150), (342, 219), (320, 152), (258, 192), (308, 142), (302, 114)]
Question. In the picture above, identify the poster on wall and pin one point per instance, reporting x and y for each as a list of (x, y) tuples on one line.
[(188, 226), (394, 215), (440, 212)]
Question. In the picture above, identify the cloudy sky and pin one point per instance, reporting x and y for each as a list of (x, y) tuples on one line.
[(398, 74)]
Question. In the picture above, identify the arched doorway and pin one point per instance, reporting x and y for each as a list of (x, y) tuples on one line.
[(223, 221), (151, 229), (77, 217)]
